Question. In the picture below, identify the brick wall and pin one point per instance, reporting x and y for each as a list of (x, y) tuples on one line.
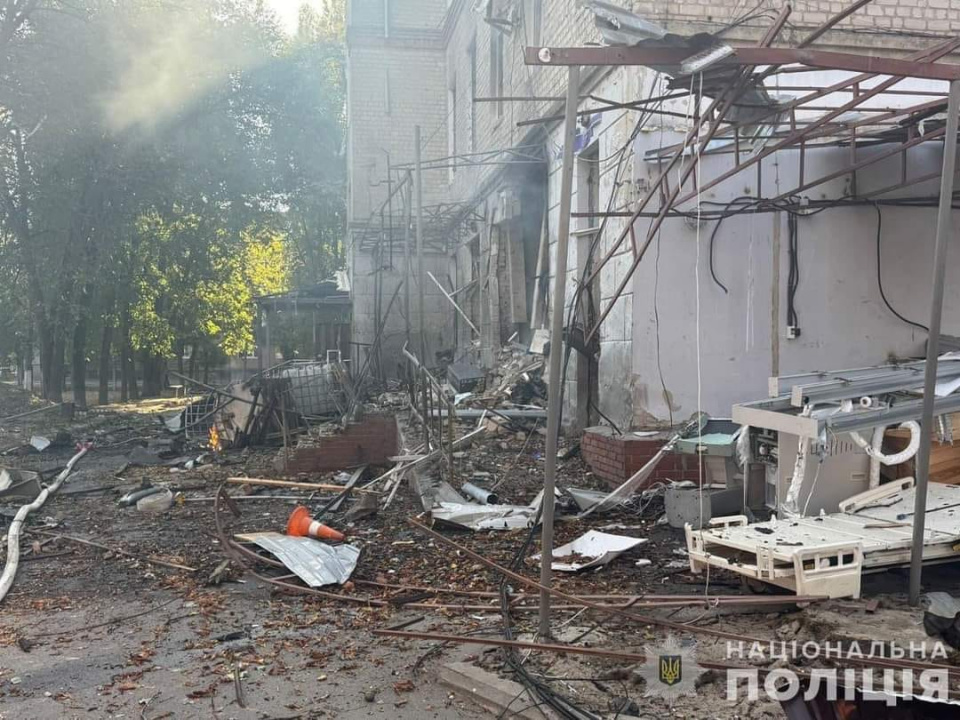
[(615, 458), (369, 442), (917, 17)]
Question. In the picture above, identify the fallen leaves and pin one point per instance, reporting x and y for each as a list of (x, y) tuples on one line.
[(404, 686)]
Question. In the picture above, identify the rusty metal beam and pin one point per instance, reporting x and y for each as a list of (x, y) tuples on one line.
[(881, 119), (804, 133), (861, 164), (936, 51), (829, 24), (718, 110), (812, 88), (744, 57), (613, 611)]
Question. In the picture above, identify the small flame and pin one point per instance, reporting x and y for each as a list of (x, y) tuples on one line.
[(214, 441)]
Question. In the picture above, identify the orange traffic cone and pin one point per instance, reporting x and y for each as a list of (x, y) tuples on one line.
[(301, 524)]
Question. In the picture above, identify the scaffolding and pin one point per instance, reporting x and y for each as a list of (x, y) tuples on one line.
[(742, 119)]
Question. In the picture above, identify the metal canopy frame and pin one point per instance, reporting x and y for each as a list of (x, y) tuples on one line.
[(727, 83)]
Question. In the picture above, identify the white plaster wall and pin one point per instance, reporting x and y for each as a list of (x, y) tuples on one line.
[(842, 318)]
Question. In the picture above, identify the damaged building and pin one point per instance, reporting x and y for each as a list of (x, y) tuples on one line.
[(768, 270)]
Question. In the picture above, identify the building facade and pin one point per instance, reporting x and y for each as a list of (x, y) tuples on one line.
[(703, 322)]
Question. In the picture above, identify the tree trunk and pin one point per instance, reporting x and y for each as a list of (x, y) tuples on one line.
[(57, 367), (132, 374), (45, 337), (154, 369), (106, 345), (79, 364), (128, 370), (124, 365)]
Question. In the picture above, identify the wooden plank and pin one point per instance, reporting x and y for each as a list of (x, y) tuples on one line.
[(292, 484)]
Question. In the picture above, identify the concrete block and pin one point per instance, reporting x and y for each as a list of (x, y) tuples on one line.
[(497, 695)]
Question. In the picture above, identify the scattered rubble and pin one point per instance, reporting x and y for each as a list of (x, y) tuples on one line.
[(220, 557)]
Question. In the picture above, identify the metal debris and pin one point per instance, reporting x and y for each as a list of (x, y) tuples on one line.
[(591, 550), (316, 563)]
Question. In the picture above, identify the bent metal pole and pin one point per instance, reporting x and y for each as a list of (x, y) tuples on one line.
[(944, 232), (556, 347)]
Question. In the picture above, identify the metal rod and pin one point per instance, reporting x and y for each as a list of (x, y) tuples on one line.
[(407, 269), (420, 311), (612, 611), (744, 57), (451, 421), (453, 302), (857, 100), (842, 15), (732, 92), (944, 231), (717, 110), (556, 349)]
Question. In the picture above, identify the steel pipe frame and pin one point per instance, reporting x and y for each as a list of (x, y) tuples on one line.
[(728, 98), (887, 114), (936, 51), (890, 152), (783, 384), (901, 412), (840, 86), (744, 57), (805, 133), (556, 351), (944, 231), (839, 389)]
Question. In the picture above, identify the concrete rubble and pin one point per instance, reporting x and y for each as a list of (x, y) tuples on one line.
[(217, 562)]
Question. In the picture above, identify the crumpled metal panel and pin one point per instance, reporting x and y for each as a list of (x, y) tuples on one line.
[(622, 27), (314, 562)]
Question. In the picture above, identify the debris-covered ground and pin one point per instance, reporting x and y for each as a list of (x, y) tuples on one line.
[(151, 622)]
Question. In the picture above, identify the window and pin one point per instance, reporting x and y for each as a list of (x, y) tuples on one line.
[(472, 52), (496, 68), (452, 124)]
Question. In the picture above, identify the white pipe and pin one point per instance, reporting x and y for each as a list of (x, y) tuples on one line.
[(13, 536), (791, 505), (876, 446), (874, 451)]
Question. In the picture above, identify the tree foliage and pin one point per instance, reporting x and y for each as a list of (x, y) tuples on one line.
[(162, 163)]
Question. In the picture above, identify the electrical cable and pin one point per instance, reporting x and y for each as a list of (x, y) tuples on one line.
[(793, 279), (713, 237), (883, 294)]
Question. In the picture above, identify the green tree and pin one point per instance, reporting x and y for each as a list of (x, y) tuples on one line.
[(163, 162)]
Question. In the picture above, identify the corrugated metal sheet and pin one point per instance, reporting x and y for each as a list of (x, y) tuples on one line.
[(314, 562)]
